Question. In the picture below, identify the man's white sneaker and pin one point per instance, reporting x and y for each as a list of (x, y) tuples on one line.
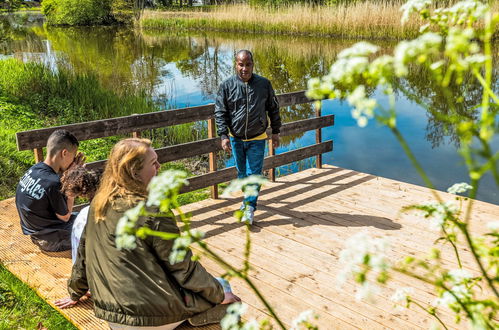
[(249, 215)]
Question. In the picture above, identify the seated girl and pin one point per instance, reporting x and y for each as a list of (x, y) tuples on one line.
[(139, 288), (78, 181)]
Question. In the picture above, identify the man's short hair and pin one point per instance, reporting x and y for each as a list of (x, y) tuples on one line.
[(245, 52), (59, 140)]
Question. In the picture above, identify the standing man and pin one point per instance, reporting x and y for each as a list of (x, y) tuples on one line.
[(45, 212), (244, 101)]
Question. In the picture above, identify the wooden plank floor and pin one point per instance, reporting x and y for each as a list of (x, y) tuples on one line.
[(301, 225)]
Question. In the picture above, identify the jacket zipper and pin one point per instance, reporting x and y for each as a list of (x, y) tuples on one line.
[(247, 111)]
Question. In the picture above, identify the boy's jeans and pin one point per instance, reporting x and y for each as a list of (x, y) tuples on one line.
[(249, 160)]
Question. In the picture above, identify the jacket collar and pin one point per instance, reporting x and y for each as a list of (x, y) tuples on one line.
[(249, 81)]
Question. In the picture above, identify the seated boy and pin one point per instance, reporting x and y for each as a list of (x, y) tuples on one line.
[(45, 212)]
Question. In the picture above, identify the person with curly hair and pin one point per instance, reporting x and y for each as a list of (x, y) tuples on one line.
[(78, 181)]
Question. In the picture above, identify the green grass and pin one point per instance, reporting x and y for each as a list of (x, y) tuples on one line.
[(22, 308)]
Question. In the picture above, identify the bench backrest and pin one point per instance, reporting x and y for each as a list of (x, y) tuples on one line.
[(135, 124)]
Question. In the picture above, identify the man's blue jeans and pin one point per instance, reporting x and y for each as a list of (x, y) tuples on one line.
[(249, 160)]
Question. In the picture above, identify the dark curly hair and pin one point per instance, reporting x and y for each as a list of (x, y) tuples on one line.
[(78, 181)]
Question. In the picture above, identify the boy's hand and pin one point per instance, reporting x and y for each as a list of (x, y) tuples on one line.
[(79, 159)]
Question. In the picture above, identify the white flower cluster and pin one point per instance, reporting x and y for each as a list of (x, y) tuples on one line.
[(304, 319), (125, 238), (232, 319), (402, 295), (163, 186), (351, 62), (415, 50), (412, 6), (180, 248), (363, 107), (438, 213), (363, 250), (448, 298), (249, 185), (493, 226), (458, 188), (367, 292), (464, 12), (459, 276)]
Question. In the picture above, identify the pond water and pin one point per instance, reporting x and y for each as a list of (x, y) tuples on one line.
[(179, 69)]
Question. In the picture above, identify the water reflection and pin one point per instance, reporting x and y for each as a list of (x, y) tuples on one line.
[(185, 69)]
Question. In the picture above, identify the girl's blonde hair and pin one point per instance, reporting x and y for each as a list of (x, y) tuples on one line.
[(121, 174)]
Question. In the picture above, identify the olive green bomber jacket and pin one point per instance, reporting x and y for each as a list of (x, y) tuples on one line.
[(139, 287)]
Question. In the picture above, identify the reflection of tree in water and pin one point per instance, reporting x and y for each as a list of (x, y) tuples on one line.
[(15, 33), (465, 99), (126, 60)]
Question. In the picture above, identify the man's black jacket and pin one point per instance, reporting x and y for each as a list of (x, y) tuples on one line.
[(242, 108)]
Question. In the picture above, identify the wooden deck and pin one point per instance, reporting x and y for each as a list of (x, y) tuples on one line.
[(301, 225)]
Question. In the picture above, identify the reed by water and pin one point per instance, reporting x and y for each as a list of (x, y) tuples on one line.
[(372, 19)]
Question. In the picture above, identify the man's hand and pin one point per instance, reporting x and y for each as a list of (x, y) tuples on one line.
[(275, 140), (226, 145), (230, 298)]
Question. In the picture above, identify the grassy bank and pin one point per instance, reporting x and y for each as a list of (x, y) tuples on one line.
[(373, 19), (34, 96), (21, 308)]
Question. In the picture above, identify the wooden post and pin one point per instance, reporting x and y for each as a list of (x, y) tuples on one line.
[(136, 135), (318, 137), (38, 155), (213, 157), (271, 153)]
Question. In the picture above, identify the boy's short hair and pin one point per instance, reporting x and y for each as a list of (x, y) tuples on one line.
[(59, 140)]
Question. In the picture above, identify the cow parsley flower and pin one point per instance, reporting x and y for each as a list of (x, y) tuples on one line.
[(233, 316), (180, 248), (361, 249), (126, 226), (363, 106), (244, 184), (437, 214), (164, 185), (493, 226), (466, 11), (413, 6), (458, 276), (459, 188), (251, 325), (402, 295), (304, 318), (448, 298), (417, 49), (367, 292), (360, 49)]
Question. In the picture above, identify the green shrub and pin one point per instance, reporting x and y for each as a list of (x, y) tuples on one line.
[(77, 12)]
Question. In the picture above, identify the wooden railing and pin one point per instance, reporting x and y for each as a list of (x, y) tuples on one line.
[(135, 124)]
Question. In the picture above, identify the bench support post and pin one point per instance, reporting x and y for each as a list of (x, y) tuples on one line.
[(271, 153), (213, 158), (38, 155), (318, 136)]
